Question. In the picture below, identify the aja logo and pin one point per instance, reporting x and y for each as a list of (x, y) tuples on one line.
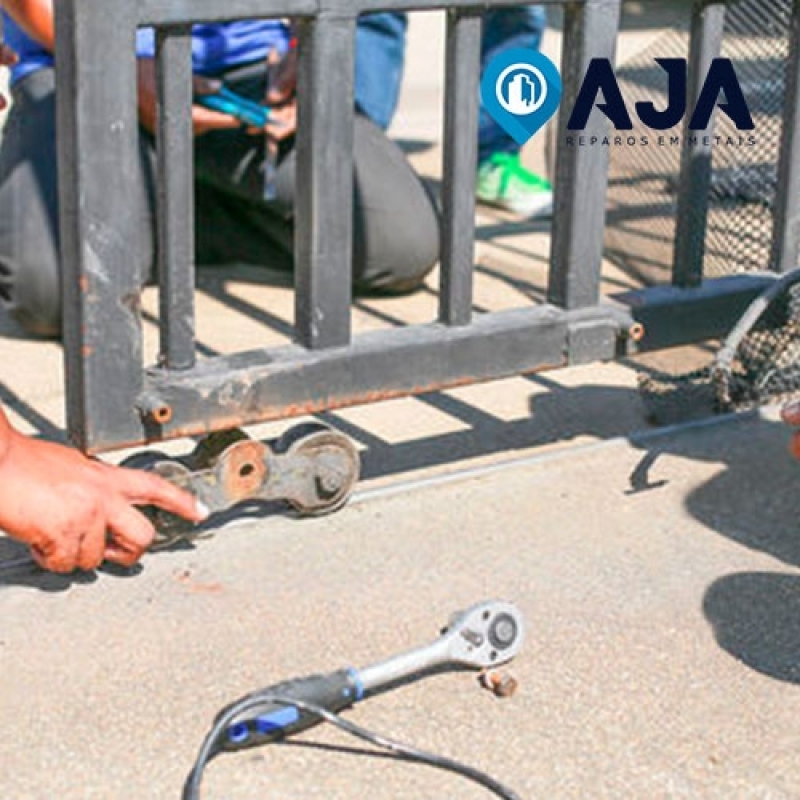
[(521, 89)]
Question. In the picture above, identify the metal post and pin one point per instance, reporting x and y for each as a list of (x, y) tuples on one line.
[(324, 205), (175, 208), (590, 31), (462, 78), (708, 21), (98, 160), (786, 221)]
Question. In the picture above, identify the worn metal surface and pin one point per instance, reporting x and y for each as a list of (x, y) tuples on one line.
[(291, 381), (172, 12), (98, 153), (324, 207), (113, 401), (312, 468), (708, 20), (786, 231), (590, 31), (462, 73), (672, 316), (175, 207)]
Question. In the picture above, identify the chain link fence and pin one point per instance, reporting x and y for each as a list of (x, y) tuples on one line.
[(759, 362), (643, 177)]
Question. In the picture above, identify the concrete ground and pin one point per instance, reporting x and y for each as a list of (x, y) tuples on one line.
[(662, 655), (661, 658)]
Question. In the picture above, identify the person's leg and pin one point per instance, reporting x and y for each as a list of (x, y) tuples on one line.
[(502, 180), (380, 56), (30, 273), (395, 222), (503, 29), (29, 276), (396, 228), (396, 234), (231, 229)]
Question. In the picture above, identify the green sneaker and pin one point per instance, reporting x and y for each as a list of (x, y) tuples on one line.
[(504, 182)]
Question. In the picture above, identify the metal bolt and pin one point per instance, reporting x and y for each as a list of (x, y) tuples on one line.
[(636, 332), (500, 682), (330, 481), (153, 407)]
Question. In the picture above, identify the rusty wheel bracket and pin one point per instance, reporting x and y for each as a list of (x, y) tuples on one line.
[(313, 468)]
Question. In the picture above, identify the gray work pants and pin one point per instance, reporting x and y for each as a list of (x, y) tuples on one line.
[(396, 229)]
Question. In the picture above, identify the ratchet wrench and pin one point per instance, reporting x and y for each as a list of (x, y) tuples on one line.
[(483, 636)]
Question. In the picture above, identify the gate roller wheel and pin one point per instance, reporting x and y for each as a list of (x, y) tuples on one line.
[(334, 471), (208, 450), (145, 460)]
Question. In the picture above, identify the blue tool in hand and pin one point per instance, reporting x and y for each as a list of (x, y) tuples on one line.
[(228, 102)]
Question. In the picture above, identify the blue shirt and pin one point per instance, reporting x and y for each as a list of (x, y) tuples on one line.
[(215, 48), (32, 55)]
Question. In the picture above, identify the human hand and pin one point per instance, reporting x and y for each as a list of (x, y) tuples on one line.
[(282, 79), (74, 512), (203, 119), (206, 119), (7, 59), (280, 97), (282, 122), (791, 416)]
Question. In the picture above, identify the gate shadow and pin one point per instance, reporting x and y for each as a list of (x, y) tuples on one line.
[(755, 502)]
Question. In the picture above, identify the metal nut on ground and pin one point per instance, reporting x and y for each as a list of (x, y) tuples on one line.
[(500, 682)]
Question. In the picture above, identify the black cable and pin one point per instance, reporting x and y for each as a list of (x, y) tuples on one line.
[(191, 789), (750, 317)]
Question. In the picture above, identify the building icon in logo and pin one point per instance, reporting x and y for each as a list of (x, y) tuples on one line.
[(521, 89)]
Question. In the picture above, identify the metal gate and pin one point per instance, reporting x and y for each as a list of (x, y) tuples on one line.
[(114, 400)]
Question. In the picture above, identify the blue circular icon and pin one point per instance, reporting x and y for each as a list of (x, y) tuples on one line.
[(521, 90)]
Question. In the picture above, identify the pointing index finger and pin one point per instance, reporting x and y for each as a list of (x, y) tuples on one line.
[(143, 488)]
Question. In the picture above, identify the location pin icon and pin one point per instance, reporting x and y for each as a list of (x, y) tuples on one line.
[(521, 90)]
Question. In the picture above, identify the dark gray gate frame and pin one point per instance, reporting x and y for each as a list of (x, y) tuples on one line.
[(112, 401)]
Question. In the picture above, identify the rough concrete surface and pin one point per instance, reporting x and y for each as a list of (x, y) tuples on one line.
[(661, 660)]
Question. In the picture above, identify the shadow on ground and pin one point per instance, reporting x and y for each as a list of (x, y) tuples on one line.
[(755, 502), (557, 415), (755, 617)]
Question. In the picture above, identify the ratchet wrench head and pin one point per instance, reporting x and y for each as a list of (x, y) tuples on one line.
[(485, 635)]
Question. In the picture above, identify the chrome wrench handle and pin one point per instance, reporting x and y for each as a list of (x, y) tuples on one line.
[(485, 635)]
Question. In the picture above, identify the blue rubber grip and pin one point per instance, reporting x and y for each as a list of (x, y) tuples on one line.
[(335, 692)]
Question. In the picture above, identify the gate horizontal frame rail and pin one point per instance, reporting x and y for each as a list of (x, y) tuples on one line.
[(112, 401), (283, 382), (291, 381)]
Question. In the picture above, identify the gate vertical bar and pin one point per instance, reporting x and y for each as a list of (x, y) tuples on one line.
[(462, 78), (786, 219), (708, 22), (175, 207), (590, 31), (324, 204), (98, 164)]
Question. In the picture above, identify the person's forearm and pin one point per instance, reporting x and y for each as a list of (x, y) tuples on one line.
[(35, 17), (6, 432), (203, 119)]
